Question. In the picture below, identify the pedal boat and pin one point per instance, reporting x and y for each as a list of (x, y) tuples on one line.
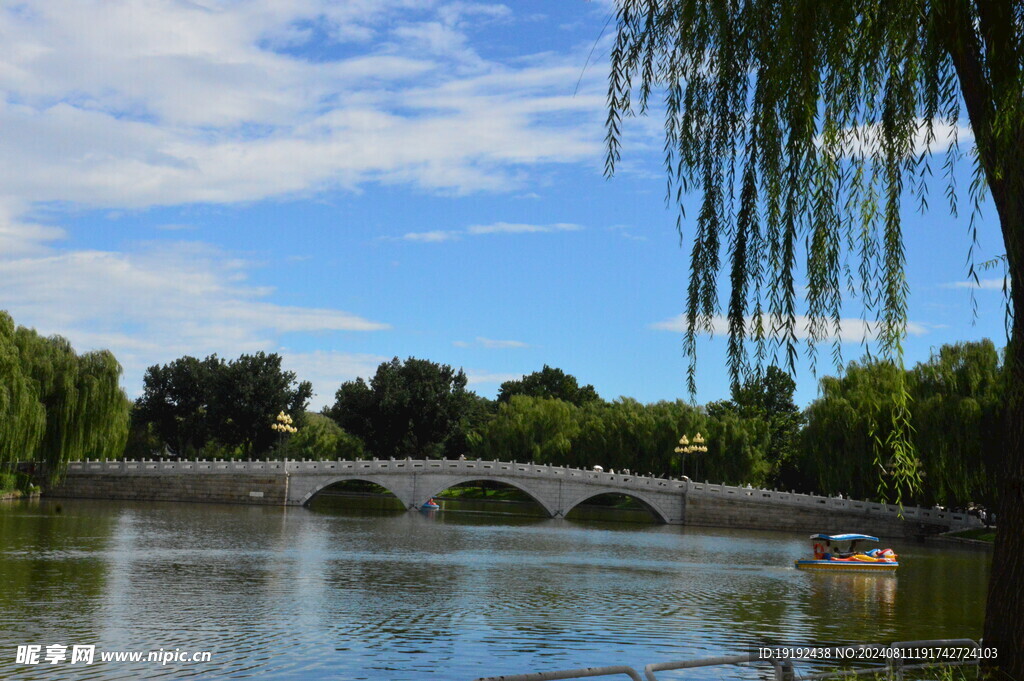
[(839, 552), (430, 506)]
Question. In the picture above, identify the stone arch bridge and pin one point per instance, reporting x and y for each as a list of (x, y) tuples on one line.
[(556, 489)]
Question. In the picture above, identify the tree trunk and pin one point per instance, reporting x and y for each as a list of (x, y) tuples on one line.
[(1004, 612), (984, 55)]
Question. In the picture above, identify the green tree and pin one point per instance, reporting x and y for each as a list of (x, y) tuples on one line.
[(738, 447), (412, 408), (955, 411), (22, 415), (178, 403), (626, 434), (769, 396), (321, 438), (58, 406), (478, 413), (249, 393), (354, 409), (807, 123), (194, 405), (674, 419), (535, 429), (143, 440), (837, 445), (958, 403), (617, 435), (551, 383)]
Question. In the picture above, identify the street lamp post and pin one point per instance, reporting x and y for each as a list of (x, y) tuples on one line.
[(283, 425), (682, 449), (685, 448)]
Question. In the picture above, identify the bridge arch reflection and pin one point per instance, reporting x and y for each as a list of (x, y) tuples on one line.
[(642, 503), (337, 483), (513, 484), (357, 493)]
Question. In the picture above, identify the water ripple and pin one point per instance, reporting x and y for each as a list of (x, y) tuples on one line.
[(303, 595)]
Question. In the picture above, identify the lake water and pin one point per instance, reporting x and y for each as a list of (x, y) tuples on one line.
[(295, 593)]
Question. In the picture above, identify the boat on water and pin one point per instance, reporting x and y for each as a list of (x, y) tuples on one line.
[(840, 552), (431, 505)]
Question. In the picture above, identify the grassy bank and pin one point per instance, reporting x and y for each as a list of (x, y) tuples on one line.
[(987, 534)]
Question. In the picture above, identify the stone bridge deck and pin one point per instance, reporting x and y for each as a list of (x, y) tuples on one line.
[(556, 489)]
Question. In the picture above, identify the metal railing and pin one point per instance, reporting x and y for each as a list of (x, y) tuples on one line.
[(890, 661)]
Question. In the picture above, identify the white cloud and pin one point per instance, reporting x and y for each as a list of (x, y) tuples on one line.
[(990, 284), (19, 237), (153, 306), (437, 236), (180, 63), (430, 237), (852, 330), (519, 228), (492, 344), (453, 12), (134, 103), (500, 344), (627, 232), (865, 140)]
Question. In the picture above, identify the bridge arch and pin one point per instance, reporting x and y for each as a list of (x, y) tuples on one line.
[(509, 481), (659, 515), (375, 479)]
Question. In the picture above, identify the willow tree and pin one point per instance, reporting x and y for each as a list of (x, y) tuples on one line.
[(958, 398), (57, 406), (804, 125), (22, 417)]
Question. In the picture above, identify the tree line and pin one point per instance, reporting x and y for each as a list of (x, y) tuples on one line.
[(422, 409), (57, 406), (956, 408), (759, 437)]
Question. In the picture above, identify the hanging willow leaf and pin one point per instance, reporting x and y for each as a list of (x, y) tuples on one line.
[(818, 117)]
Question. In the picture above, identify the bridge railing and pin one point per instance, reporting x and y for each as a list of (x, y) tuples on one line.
[(832, 503)]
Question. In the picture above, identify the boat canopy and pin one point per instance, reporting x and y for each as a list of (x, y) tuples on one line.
[(844, 537)]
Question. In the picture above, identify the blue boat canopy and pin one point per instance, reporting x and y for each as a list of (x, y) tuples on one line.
[(844, 537)]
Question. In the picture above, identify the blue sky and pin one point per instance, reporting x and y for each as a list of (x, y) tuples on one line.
[(344, 182)]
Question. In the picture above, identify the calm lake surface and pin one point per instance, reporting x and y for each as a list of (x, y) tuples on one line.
[(314, 594)]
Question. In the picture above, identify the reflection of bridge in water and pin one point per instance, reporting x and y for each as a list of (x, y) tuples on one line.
[(556, 489)]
